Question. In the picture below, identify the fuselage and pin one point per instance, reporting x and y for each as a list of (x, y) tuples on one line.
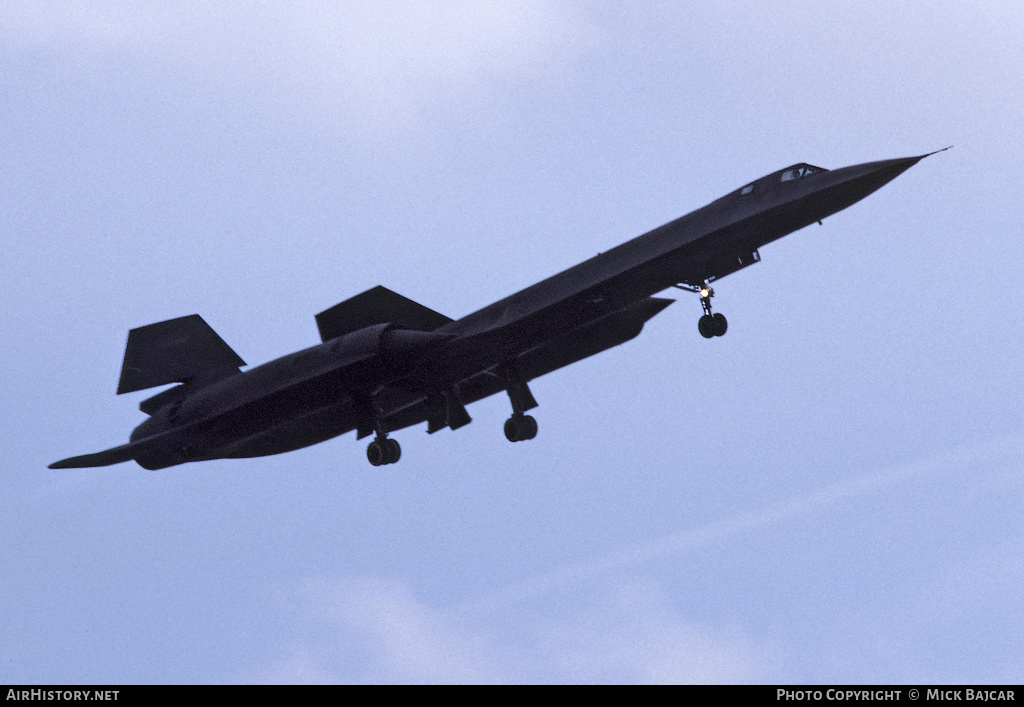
[(691, 249), (321, 392)]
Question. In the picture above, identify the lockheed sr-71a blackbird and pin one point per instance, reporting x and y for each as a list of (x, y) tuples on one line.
[(387, 362)]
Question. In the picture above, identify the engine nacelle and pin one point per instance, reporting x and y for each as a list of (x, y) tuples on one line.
[(359, 361), (393, 344), (169, 451), (161, 459)]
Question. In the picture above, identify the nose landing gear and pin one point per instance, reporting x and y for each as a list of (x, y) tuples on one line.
[(709, 325)]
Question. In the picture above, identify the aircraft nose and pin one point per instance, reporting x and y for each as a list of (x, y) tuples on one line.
[(878, 174), (881, 173), (848, 185), (858, 181)]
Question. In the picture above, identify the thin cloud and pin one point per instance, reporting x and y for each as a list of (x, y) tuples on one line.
[(631, 632), (413, 641), (626, 633), (357, 64), (986, 452)]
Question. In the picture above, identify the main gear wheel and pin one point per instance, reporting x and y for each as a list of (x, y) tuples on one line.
[(383, 450), (520, 427)]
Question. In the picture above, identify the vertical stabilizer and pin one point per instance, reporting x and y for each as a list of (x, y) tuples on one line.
[(174, 351)]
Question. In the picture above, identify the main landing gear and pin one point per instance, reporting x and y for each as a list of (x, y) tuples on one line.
[(709, 325), (383, 450), (519, 427)]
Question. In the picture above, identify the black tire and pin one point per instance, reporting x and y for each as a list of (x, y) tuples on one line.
[(512, 430), (393, 449), (376, 454), (706, 326), (528, 427), (719, 324)]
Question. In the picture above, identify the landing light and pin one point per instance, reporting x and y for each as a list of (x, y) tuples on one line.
[(704, 292)]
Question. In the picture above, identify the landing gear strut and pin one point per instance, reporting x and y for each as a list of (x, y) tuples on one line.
[(382, 450), (519, 427), (709, 325)]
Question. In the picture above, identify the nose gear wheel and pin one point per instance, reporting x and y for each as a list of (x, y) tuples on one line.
[(711, 325)]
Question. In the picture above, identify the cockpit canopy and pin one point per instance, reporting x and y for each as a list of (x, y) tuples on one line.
[(797, 171)]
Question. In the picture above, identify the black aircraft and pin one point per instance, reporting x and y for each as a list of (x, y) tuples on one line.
[(387, 363)]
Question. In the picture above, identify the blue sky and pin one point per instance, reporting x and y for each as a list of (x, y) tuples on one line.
[(830, 493)]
